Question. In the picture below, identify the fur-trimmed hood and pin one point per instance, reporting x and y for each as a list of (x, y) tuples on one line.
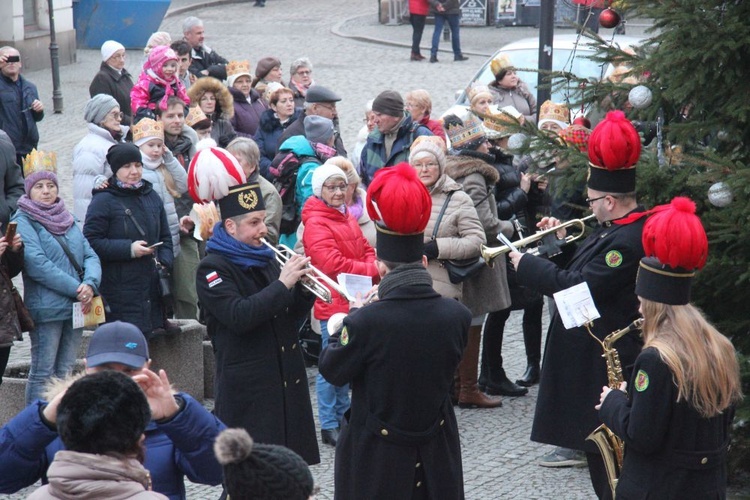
[(224, 99), (458, 167)]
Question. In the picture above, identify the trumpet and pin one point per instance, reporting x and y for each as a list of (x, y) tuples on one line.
[(315, 282), (550, 244)]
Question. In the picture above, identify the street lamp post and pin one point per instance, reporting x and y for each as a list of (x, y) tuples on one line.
[(546, 37), (57, 100)]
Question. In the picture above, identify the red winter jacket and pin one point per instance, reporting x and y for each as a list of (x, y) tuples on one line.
[(419, 7), (335, 245)]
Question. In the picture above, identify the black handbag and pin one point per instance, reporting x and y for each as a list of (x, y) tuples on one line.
[(459, 270)]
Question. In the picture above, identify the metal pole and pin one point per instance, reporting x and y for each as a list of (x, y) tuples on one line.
[(57, 100), (546, 36)]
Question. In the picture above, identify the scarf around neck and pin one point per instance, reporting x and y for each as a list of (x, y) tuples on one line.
[(55, 218), (405, 275), (237, 252)]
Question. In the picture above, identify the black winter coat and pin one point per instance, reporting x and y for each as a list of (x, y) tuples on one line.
[(574, 371), (118, 85), (298, 128), (267, 137), (671, 452), (401, 438), (511, 199), (129, 285), (206, 59), (261, 382)]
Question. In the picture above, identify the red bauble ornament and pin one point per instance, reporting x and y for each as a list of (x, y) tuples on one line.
[(609, 19), (582, 121)]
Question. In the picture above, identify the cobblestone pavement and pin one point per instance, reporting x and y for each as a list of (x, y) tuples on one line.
[(499, 460)]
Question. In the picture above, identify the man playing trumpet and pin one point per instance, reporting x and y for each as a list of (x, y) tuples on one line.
[(252, 307)]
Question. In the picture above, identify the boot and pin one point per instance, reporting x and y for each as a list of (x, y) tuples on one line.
[(502, 386), (531, 375), (469, 395), (416, 56)]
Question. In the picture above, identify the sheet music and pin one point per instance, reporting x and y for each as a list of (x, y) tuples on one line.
[(576, 306), (354, 283)]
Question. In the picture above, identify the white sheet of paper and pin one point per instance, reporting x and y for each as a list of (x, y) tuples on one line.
[(354, 283), (78, 316), (576, 306)]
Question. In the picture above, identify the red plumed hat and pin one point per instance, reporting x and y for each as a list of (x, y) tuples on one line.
[(212, 172), (400, 205), (675, 245), (614, 148)]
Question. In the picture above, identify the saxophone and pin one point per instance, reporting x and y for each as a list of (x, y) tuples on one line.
[(610, 446)]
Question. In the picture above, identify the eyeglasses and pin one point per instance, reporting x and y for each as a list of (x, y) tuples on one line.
[(333, 189), (591, 201), (116, 115), (425, 166), (304, 73), (330, 107)]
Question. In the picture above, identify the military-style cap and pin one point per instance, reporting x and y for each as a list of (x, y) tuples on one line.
[(240, 200)]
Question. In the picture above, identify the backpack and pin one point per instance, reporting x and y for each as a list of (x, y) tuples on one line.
[(284, 171)]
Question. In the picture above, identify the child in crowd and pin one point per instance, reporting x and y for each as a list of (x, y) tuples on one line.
[(158, 81), (198, 121), (162, 170)]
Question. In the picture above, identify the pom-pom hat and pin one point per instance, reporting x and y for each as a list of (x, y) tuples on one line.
[(213, 170), (675, 245), (614, 148), (400, 205)]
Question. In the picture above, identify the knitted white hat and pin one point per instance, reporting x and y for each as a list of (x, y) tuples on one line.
[(324, 172), (109, 48)]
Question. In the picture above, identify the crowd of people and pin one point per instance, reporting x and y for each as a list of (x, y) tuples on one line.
[(410, 209)]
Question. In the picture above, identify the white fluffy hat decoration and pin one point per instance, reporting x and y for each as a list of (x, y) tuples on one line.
[(213, 170)]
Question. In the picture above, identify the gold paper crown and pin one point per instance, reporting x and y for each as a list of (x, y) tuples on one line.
[(195, 116), (39, 161), (470, 132), (497, 123), (148, 128), (500, 63), (476, 90), (553, 111), (238, 68)]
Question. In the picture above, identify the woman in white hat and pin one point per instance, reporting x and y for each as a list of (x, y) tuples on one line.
[(113, 79)]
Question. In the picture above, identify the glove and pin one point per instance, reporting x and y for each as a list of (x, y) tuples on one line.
[(167, 157), (431, 250)]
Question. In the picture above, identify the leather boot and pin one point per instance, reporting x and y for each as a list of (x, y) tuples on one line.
[(469, 395), (500, 385), (531, 375), (532, 339), (416, 56)]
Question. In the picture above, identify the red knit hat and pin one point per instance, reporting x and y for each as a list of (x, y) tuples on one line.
[(675, 245), (614, 149), (400, 205), (576, 136)]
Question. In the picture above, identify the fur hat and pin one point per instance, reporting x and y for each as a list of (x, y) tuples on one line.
[(212, 172), (102, 413), (675, 245), (431, 144), (261, 471), (38, 165), (323, 173), (98, 107), (554, 113), (265, 66), (614, 149), (121, 154), (389, 102), (109, 48), (236, 69), (147, 129), (401, 206), (467, 133), (318, 128), (224, 99)]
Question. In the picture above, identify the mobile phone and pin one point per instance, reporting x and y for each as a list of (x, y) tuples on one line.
[(11, 59), (155, 245), (10, 232)]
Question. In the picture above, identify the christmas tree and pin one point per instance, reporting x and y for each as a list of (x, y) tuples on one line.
[(686, 88)]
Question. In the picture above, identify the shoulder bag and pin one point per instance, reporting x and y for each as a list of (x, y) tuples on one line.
[(459, 270)]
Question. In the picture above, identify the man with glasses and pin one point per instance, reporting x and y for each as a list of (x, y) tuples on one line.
[(20, 107), (395, 131), (573, 371), (301, 80), (319, 101)]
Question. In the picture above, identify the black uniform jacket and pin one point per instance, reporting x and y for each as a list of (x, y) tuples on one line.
[(573, 370), (261, 382), (399, 355), (671, 452)]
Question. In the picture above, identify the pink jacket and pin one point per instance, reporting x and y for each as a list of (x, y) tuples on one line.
[(153, 86)]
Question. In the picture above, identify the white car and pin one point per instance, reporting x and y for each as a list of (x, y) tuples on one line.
[(566, 56)]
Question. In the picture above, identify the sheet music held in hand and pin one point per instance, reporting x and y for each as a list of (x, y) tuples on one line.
[(505, 241), (576, 306), (353, 284)]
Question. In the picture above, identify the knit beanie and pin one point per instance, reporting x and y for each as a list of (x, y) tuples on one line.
[(323, 173), (38, 165), (431, 144), (97, 107), (121, 154), (318, 129), (109, 48), (265, 66), (389, 102), (261, 471)]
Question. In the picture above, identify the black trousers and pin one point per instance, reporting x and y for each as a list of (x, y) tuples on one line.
[(598, 474), (417, 25), (4, 355)]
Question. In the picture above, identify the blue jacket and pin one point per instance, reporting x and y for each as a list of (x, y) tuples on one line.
[(268, 135), (373, 154), (182, 446), (50, 281), (129, 285), (16, 116)]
